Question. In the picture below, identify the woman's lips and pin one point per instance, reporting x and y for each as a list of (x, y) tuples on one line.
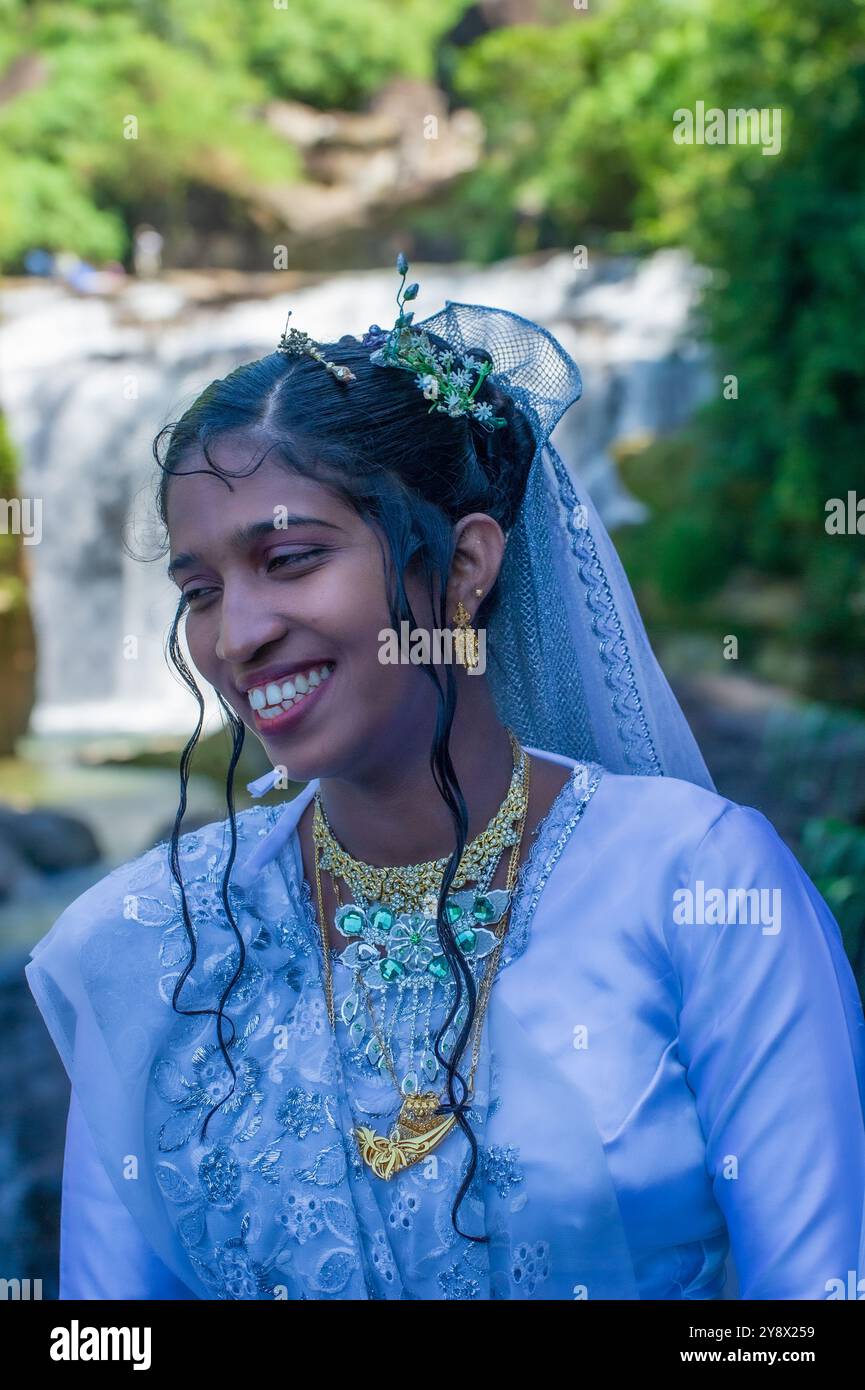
[(280, 722)]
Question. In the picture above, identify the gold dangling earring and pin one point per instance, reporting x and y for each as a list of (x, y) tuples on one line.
[(466, 637)]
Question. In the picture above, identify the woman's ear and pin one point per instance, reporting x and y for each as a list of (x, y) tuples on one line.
[(479, 545)]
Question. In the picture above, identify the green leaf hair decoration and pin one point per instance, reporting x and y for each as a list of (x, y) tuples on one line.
[(449, 382)]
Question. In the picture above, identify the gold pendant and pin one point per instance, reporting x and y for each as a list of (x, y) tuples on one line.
[(416, 1133)]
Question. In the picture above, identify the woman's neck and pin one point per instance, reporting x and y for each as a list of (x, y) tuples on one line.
[(397, 815)]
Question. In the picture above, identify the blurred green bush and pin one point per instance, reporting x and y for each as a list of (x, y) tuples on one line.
[(195, 78), (833, 854)]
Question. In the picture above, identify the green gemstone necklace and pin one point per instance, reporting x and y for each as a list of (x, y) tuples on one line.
[(394, 908)]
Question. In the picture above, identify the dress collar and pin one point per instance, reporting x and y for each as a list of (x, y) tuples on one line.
[(271, 845)]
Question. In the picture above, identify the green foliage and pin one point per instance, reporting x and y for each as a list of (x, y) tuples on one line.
[(680, 557), (13, 595), (195, 78), (581, 120), (65, 146), (833, 854), (8, 465), (330, 53)]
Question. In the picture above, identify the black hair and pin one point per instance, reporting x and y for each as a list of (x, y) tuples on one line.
[(414, 472)]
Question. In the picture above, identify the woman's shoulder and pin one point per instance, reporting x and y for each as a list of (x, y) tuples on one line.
[(712, 877), (199, 854), (105, 976), (672, 816), (670, 794), (644, 839), (707, 884), (604, 824), (129, 912)]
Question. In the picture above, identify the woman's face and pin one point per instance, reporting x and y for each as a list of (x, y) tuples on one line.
[(284, 616)]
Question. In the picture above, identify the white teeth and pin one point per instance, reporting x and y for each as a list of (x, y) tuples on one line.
[(271, 699)]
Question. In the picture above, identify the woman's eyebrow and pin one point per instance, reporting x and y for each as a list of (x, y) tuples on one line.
[(242, 535)]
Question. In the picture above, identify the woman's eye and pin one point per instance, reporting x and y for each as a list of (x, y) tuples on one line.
[(294, 558), (297, 557), (191, 594)]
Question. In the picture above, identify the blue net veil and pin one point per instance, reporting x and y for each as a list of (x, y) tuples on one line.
[(568, 659)]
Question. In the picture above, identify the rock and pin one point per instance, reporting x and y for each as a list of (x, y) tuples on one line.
[(34, 1100), (307, 127), (49, 840), (404, 148)]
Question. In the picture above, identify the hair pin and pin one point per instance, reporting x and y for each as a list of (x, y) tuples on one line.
[(294, 343), (449, 381)]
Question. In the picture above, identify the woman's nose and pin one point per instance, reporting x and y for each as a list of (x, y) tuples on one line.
[(245, 626)]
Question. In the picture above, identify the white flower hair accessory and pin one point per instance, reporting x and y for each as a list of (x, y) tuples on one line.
[(448, 382)]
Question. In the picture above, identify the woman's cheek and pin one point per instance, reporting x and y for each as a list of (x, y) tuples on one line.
[(201, 641)]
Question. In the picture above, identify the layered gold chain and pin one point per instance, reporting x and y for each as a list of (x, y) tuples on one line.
[(407, 887)]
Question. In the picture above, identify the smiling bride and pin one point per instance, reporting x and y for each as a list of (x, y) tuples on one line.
[(438, 1027)]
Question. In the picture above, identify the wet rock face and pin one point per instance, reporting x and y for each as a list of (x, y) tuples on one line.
[(17, 671), (17, 638)]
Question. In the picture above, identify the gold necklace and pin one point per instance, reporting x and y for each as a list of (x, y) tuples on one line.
[(408, 887), (418, 1129)]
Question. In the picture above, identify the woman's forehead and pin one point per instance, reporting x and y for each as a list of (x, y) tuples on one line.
[(196, 493)]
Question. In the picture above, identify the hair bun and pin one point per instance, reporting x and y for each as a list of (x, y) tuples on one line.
[(505, 454)]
